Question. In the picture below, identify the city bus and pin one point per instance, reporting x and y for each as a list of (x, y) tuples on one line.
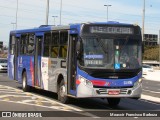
[(85, 60)]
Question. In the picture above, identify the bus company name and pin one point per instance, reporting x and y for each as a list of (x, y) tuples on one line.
[(128, 82)]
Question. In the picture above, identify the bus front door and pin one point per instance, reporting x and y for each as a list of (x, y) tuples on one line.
[(37, 61), (16, 53), (71, 65)]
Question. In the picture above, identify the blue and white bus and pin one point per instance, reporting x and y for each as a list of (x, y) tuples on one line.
[(102, 60)]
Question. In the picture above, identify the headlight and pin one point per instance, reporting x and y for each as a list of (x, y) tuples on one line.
[(85, 81), (138, 82)]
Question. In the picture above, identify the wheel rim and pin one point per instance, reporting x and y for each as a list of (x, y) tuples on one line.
[(62, 91)]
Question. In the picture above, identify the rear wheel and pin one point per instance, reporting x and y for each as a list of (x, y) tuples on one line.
[(25, 87), (113, 101), (61, 93)]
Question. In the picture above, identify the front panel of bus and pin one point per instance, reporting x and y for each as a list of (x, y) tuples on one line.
[(109, 62)]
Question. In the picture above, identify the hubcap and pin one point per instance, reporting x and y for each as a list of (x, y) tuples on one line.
[(62, 90)]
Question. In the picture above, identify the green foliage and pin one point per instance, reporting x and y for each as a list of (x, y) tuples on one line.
[(151, 53)]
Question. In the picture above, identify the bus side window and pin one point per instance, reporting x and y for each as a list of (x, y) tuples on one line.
[(63, 51), (12, 44), (63, 44), (31, 44), (23, 44), (54, 51), (54, 44), (47, 39)]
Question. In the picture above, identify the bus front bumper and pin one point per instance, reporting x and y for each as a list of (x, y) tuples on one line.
[(84, 91)]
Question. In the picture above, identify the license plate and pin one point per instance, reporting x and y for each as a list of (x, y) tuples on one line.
[(113, 92)]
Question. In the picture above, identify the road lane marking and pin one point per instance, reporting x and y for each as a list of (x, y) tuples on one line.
[(36, 100), (33, 99), (11, 92), (150, 98), (6, 99), (61, 106), (151, 91), (7, 95)]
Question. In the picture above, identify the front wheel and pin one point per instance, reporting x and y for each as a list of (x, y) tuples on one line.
[(113, 101), (61, 93)]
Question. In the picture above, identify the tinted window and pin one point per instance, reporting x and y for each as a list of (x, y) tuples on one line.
[(3, 61), (47, 39), (63, 44), (55, 44), (12, 44), (23, 44), (30, 46)]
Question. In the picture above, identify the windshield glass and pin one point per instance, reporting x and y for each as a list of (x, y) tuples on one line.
[(108, 53), (3, 61)]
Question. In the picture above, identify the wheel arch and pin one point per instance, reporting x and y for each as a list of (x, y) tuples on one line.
[(59, 79), (23, 70)]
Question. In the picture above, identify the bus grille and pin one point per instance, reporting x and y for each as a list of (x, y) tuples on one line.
[(104, 91)]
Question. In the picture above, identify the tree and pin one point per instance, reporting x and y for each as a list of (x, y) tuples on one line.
[(151, 53)]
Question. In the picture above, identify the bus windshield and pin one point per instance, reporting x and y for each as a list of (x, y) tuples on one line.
[(108, 53)]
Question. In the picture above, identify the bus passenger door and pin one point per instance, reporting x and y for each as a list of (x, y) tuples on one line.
[(37, 61), (72, 65), (16, 59)]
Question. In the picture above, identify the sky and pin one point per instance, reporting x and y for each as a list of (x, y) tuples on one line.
[(32, 13)]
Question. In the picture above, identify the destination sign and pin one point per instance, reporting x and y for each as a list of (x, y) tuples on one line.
[(111, 30)]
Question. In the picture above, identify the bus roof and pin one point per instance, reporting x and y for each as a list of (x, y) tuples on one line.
[(44, 28), (102, 23)]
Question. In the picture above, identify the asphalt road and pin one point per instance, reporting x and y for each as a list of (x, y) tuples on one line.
[(151, 88), (12, 98)]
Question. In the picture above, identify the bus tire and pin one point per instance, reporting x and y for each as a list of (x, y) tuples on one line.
[(113, 102), (61, 93), (25, 87)]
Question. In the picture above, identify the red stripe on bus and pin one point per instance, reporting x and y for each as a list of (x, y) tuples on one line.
[(98, 83)]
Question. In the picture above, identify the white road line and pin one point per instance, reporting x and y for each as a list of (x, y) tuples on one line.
[(150, 98), (51, 107), (2, 96), (26, 101), (11, 92), (150, 91), (8, 87), (40, 97), (52, 101)]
